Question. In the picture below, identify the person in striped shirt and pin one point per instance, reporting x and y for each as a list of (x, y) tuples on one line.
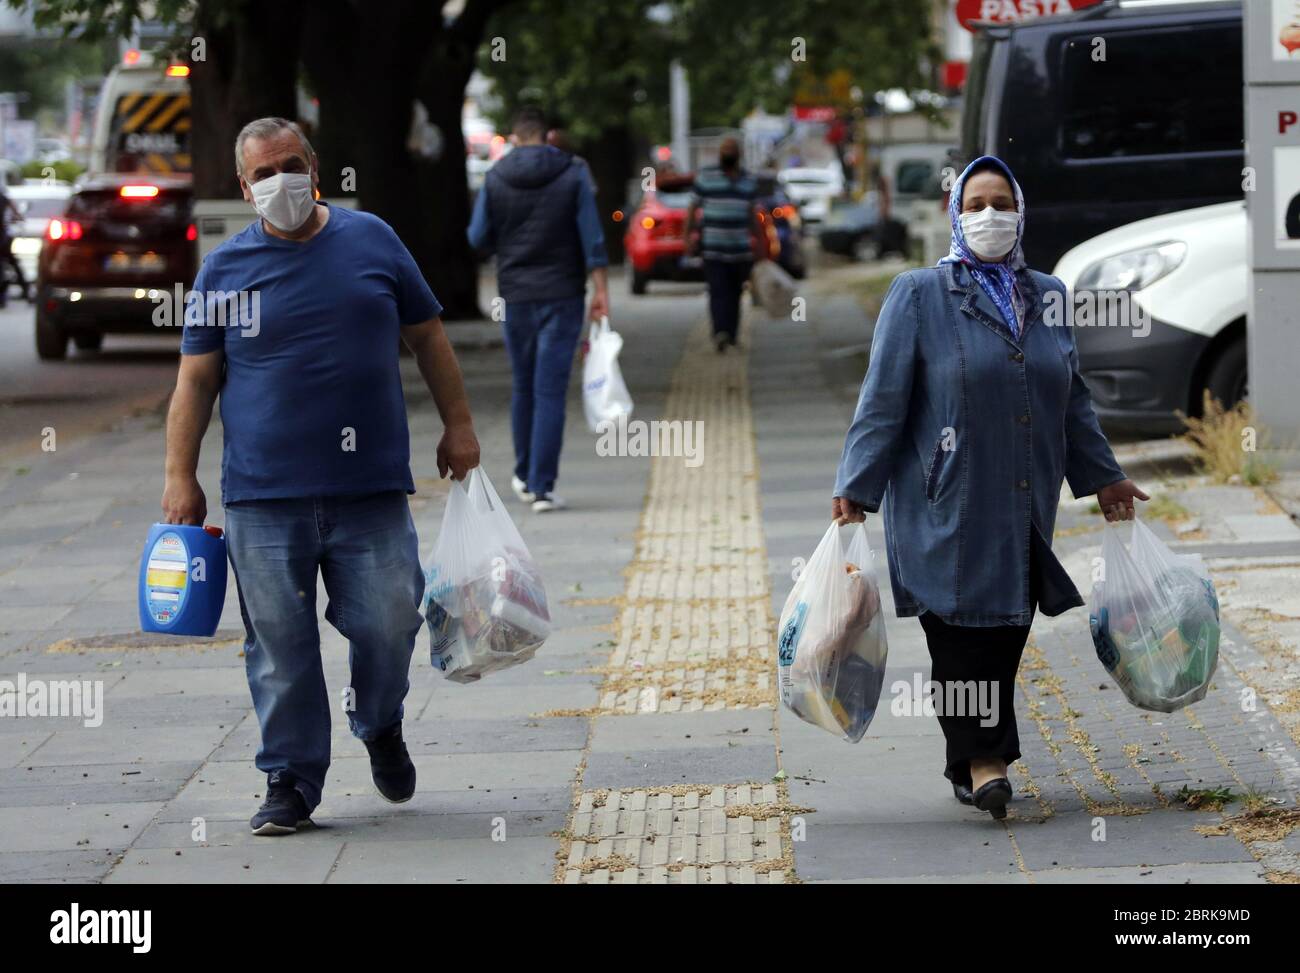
[(722, 208)]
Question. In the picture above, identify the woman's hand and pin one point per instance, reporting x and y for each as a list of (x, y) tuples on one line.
[(845, 511), (1116, 500)]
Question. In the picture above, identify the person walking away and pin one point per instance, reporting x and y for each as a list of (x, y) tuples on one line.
[(723, 209), (295, 322), (538, 213)]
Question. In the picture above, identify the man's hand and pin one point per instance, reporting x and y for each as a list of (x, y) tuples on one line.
[(599, 304), (183, 501), (845, 511), (458, 451), (1116, 500)]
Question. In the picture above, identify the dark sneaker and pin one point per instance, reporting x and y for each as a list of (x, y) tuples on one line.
[(283, 812), (391, 767)]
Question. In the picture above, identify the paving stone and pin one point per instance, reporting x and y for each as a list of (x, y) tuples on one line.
[(1159, 837), (515, 861)]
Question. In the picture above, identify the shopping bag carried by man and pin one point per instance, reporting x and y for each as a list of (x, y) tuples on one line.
[(831, 646), (483, 596), (604, 394), (774, 288), (1155, 620)]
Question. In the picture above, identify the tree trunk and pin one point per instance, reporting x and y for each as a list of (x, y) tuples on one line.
[(444, 185), (249, 71), (611, 158), (359, 62)]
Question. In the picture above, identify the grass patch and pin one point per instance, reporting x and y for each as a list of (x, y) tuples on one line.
[(870, 290), (1205, 799), (1165, 507), (1225, 441)]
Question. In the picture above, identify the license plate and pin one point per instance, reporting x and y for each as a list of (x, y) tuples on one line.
[(134, 262), (690, 263)]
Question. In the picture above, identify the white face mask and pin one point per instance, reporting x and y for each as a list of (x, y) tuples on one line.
[(990, 233), (284, 200)]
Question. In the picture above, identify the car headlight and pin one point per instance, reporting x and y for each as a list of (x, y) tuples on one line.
[(1133, 270)]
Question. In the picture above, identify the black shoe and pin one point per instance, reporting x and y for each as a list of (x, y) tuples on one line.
[(391, 767), (283, 812), (993, 797), (720, 341), (962, 793)]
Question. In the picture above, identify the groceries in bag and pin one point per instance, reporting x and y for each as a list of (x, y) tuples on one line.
[(605, 397), (831, 643), (1154, 619), (774, 288), (484, 600)]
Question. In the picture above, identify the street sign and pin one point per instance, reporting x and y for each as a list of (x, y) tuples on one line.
[(1010, 11)]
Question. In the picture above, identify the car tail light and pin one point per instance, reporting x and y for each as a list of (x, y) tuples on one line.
[(191, 233), (138, 192), (63, 230), (178, 71), (648, 222)]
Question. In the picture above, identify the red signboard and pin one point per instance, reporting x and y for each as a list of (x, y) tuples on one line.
[(1008, 11)]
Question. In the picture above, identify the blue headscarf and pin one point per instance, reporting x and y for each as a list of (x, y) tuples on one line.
[(997, 279)]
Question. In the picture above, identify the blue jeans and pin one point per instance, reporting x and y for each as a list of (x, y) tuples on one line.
[(366, 549), (541, 337)]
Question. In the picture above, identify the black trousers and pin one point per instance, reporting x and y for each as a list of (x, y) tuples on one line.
[(726, 280), (975, 664)]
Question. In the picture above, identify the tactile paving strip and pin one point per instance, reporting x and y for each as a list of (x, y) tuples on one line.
[(679, 835)]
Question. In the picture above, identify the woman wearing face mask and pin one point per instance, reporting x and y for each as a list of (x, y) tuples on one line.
[(972, 413)]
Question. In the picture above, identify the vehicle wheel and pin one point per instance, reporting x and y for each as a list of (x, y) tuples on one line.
[(51, 339), (866, 248), (88, 340), (1226, 379), (639, 282)]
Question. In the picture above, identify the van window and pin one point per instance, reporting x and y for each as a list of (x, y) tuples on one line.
[(1158, 92), (915, 176), (973, 135)]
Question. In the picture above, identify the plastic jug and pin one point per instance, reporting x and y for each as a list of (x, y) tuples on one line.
[(182, 579)]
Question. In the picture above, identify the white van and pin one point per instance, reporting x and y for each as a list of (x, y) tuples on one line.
[(1186, 274), (142, 123)]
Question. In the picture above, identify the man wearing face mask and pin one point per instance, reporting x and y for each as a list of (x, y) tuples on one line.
[(722, 208), (316, 462)]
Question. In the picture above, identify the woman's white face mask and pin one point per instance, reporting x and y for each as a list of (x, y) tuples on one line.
[(990, 233), (284, 200)]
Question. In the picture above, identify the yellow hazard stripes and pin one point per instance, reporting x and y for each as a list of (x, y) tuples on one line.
[(142, 114)]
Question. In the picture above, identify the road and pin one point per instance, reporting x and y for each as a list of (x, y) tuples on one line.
[(86, 393)]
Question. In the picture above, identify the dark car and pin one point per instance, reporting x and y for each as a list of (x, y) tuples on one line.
[(855, 229), (122, 242), (1100, 136)]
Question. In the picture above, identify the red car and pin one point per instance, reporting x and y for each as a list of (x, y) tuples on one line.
[(654, 244)]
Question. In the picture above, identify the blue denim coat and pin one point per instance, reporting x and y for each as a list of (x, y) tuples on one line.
[(967, 434)]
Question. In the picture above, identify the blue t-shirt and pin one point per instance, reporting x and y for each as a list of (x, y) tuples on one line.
[(312, 398)]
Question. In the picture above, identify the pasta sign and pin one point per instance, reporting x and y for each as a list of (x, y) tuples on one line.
[(1007, 11)]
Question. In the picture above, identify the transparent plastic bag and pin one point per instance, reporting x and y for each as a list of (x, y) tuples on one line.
[(831, 645), (605, 397), (1154, 618), (484, 601)]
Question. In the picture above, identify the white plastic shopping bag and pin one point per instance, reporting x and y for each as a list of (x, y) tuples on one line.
[(604, 394), (774, 288), (1155, 620), (483, 596), (831, 645)]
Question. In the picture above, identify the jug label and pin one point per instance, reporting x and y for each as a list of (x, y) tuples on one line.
[(166, 577)]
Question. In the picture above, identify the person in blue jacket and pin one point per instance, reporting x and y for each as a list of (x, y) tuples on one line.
[(971, 414)]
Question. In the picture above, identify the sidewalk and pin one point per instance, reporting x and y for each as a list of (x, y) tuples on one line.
[(643, 744)]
